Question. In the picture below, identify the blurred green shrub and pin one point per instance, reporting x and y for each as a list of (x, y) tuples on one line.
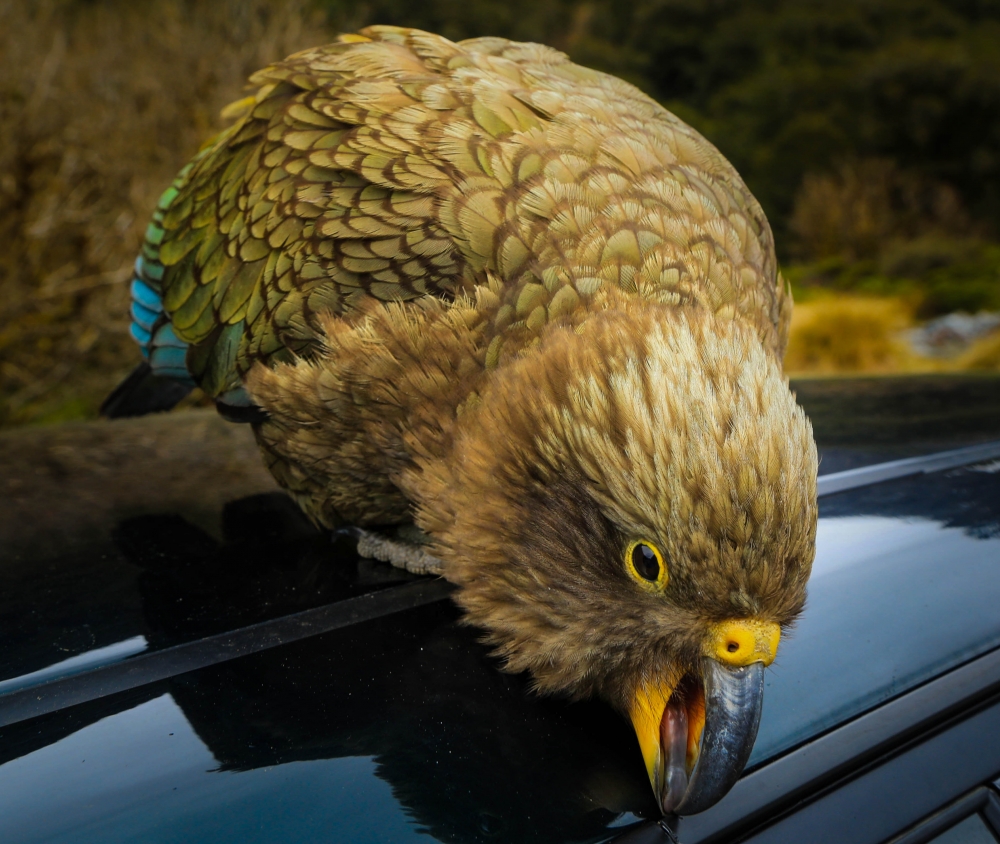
[(935, 273)]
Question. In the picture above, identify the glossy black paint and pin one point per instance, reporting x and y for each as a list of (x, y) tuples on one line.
[(403, 723), (905, 586), (169, 581), (818, 765), (468, 752), (857, 421)]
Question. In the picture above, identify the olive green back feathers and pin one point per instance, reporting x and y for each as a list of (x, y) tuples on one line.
[(395, 165)]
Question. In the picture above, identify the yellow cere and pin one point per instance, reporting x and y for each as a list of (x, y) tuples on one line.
[(742, 641)]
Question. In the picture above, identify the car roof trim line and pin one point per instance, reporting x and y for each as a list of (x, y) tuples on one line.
[(983, 800), (939, 461), (151, 667)]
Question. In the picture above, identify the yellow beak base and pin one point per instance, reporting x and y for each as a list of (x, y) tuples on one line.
[(646, 714)]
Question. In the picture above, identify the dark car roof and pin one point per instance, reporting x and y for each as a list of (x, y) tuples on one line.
[(206, 666), (905, 585)]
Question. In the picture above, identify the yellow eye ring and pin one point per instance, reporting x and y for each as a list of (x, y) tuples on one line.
[(645, 563)]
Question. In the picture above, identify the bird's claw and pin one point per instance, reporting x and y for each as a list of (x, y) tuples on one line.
[(402, 554)]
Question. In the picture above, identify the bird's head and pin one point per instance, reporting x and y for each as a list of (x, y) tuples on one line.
[(630, 510)]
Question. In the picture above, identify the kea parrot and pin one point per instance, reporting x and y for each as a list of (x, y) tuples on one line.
[(517, 307)]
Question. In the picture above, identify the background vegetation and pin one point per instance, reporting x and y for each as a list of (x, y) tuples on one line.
[(869, 130)]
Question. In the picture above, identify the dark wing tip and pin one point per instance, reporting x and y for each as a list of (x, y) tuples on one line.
[(143, 392)]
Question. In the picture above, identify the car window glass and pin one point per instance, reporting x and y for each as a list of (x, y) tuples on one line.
[(972, 830), (905, 586)]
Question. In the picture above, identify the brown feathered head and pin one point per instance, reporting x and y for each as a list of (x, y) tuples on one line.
[(630, 511)]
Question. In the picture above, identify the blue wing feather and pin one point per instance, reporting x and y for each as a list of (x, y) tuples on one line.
[(144, 317), (151, 328), (165, 378)]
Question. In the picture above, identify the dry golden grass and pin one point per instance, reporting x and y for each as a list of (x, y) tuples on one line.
[(842, 335), (982, 356), (100, 104), (834, 335)]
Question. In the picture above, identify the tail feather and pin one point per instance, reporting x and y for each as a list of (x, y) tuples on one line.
[(143, 392)]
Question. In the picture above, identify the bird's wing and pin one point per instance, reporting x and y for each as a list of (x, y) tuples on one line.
[(322, 194)]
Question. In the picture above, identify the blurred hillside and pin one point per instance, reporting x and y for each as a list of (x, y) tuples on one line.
[(869, 130)]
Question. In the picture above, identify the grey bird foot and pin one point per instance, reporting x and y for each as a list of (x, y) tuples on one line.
[(404, 551)]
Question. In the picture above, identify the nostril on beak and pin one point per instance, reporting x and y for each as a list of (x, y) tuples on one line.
[(742, 641)]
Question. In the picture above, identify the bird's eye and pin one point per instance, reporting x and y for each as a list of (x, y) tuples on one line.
[(645, 563)]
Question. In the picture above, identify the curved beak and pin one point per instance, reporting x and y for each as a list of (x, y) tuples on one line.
[(696, 735), (733, 698)]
